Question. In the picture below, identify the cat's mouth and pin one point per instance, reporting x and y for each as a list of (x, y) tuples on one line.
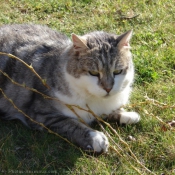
[(107, 95)]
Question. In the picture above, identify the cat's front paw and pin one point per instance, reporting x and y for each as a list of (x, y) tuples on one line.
[(123, 117), (99, 142), (129, 117)]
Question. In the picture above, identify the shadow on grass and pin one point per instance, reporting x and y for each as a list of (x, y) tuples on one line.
[(27, 151)]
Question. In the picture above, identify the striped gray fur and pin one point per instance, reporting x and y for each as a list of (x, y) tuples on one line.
[(95, 69)]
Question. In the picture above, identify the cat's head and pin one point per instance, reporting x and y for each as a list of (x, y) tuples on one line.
[(101, 63)]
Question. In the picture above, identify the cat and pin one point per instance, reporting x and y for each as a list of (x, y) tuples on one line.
[(95, 69)]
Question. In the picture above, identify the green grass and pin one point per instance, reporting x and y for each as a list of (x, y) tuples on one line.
[(153, 46)]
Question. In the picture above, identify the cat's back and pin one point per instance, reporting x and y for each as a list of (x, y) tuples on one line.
[(30, 32), (28, 36)]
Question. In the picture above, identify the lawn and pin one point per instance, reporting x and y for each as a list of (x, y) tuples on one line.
[(145, 148)]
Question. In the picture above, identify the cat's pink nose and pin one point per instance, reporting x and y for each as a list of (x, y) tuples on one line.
[(107, 89)]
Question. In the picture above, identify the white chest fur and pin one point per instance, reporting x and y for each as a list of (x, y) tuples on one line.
[(85, 91), (98, 105)]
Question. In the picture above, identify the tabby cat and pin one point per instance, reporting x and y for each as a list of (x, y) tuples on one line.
[(94, 70)]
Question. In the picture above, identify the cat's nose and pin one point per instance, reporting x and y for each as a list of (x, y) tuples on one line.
[(107, 89)]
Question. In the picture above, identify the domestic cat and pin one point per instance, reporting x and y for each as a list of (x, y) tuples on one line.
[(95, 69)]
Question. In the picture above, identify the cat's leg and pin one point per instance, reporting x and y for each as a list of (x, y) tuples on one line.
[(123, 117), (78, 133)]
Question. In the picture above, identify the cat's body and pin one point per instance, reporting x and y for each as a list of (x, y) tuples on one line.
[(95, 70)]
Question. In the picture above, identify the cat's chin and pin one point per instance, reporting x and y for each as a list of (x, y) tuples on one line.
[(107, 95), (103, 95)]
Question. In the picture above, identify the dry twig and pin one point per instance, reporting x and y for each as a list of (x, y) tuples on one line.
[(129, 17), (158, 104)]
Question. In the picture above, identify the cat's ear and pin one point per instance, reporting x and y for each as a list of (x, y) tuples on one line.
[(124, 40), (79, 43)]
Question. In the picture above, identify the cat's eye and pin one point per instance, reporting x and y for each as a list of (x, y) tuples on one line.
[(117, 72), (94, 73)]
